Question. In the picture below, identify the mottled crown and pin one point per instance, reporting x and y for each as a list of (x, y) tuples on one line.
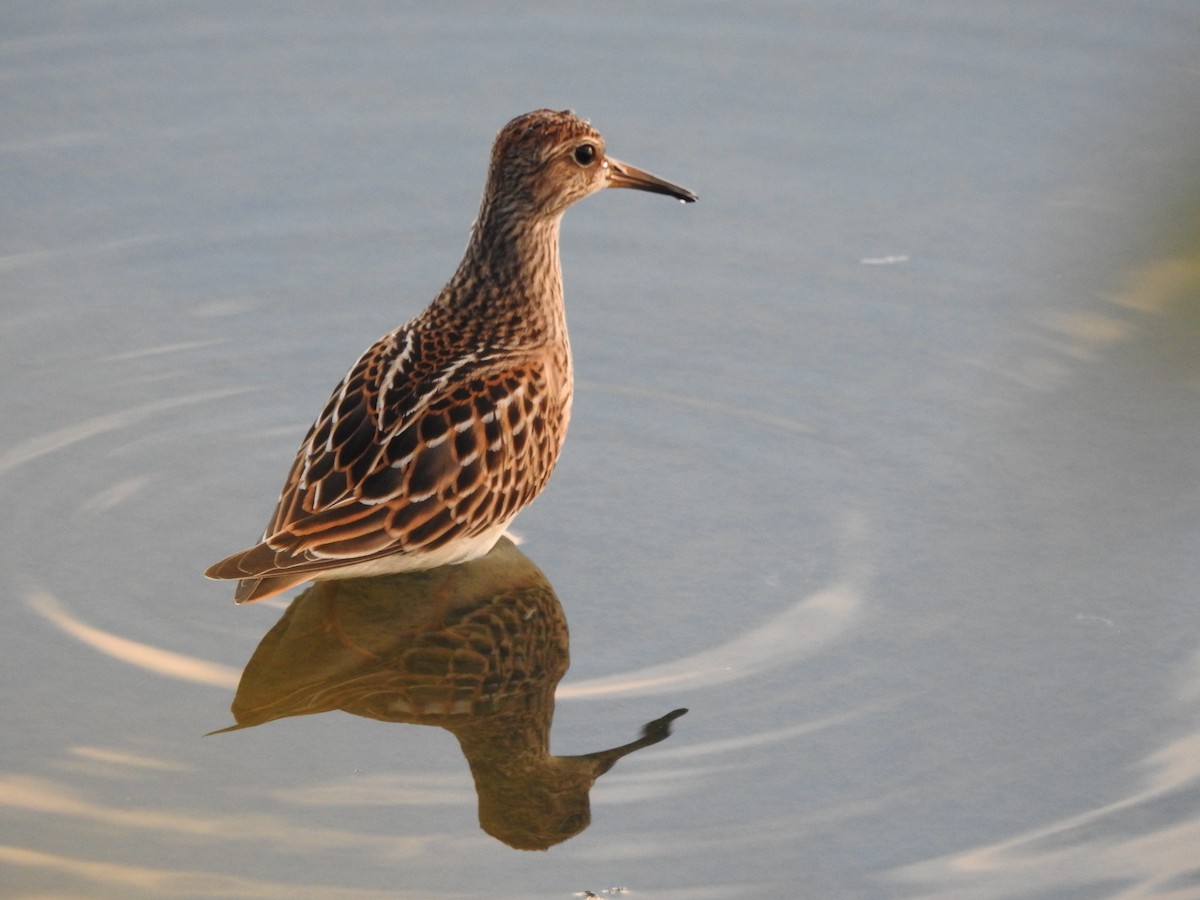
[(530, 160), (535, 135)]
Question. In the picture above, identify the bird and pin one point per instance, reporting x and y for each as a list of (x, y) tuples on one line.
[(448, 426)]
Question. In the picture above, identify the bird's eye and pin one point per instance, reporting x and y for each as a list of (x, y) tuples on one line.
[(585, 154)]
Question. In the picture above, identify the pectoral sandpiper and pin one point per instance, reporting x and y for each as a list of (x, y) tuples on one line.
[(447, 427)]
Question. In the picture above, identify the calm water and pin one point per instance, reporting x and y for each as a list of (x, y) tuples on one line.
[(883, 462)]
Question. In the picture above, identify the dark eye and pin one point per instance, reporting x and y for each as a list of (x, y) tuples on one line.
[(584, 154)]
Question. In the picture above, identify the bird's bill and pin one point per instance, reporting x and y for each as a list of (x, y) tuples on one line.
[(623, 175)]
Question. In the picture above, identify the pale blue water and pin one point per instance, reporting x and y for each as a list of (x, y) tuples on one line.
[(883, 460)]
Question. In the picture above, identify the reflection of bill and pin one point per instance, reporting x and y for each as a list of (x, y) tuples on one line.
[(477, 649)]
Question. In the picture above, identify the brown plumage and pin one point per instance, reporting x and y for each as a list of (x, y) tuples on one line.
[(447, 427)]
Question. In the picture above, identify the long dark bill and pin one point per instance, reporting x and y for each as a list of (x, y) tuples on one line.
[(623, 175)]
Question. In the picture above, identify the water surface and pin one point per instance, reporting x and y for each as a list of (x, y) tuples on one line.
[(882, 462)]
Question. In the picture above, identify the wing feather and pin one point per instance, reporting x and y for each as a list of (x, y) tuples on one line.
[(406, 456)]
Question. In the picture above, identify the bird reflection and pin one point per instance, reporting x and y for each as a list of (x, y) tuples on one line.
[(476, 648)]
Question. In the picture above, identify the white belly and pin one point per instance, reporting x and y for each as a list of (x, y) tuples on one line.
[(460, 551)]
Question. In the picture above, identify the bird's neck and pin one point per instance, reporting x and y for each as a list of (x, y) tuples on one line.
[(510, 278)]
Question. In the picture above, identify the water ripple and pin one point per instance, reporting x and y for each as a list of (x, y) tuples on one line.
[(32, 449), (152, 659), (800, 630)]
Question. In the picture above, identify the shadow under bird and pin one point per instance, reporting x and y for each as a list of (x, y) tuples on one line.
[(450, 425)]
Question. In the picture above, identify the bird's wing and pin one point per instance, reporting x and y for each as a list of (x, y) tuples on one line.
[(407, 456)]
